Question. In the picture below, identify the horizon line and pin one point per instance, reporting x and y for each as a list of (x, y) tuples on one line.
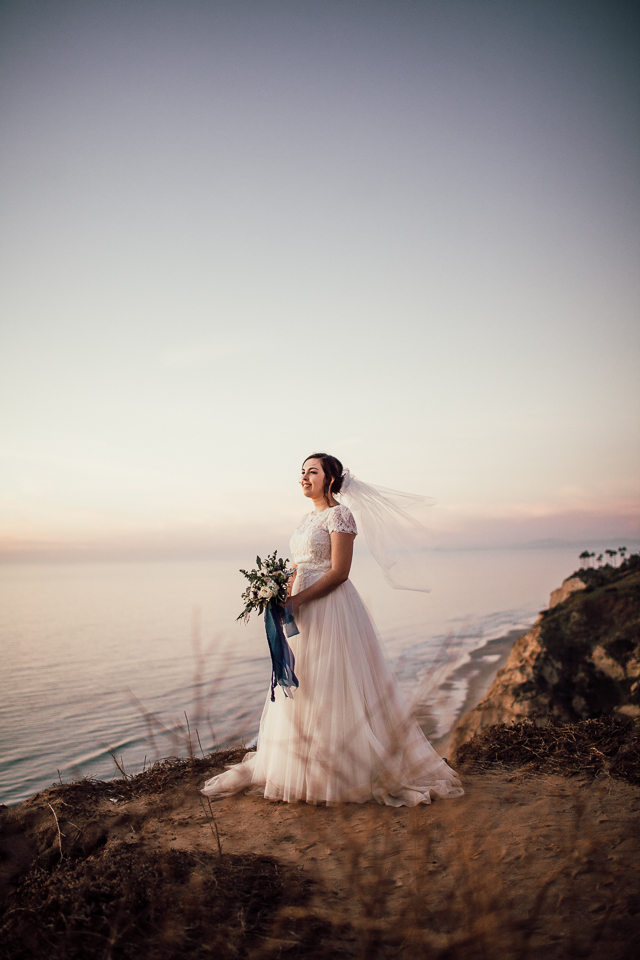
[(95, 553)]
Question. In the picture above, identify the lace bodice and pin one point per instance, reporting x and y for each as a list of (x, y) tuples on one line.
[(310, 544)]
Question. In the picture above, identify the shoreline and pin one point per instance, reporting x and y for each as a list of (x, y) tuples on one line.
[(479, 674), (116, 635)]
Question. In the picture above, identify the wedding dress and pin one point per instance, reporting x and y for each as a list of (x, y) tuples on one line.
[(347, 734)]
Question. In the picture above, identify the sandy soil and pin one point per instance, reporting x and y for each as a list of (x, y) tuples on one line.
[(522, 865)]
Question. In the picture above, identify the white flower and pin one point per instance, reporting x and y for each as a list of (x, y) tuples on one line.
[(269, 590)]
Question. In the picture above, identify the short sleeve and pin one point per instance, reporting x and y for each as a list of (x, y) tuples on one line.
[(340, 520)]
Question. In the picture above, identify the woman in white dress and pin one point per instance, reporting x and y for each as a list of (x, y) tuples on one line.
[(346, 734)]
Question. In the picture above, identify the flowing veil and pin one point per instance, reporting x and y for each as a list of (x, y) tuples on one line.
[(396, 539)]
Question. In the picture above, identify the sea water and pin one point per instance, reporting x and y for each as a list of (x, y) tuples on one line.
[(129, 662)]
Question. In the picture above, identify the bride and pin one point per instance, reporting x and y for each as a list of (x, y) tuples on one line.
[(347, 734)]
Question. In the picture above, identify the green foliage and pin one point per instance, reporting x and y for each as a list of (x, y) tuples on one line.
[(588, 645), (607, 573)]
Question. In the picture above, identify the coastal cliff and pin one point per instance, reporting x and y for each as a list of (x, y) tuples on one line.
[(143, 868), (580, 660)]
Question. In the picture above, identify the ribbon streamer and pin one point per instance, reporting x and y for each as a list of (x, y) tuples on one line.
[(282, 659)]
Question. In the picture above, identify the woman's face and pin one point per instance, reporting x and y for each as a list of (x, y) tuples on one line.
[(312, 479)]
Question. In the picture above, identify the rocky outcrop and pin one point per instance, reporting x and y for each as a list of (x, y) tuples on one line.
[(569, 586), (580, 660)]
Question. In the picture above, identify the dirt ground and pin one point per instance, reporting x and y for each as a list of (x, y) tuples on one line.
[(524, 865)]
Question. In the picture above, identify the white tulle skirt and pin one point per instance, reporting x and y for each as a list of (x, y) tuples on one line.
[(347, 734)]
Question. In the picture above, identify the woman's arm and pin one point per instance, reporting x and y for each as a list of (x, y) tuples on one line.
[(292, 579), (341, 556)]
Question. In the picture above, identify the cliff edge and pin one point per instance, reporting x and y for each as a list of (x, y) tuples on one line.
[(580, 660)]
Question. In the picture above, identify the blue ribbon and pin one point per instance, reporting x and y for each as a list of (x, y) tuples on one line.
[(288, 622), (282, 659)]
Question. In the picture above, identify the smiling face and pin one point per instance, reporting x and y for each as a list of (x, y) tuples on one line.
[(313, 478)]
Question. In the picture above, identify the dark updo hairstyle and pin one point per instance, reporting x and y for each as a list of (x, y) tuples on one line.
[(332, 472)]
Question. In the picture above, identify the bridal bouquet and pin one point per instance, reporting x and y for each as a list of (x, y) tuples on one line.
[(269, 581), (267, 593)]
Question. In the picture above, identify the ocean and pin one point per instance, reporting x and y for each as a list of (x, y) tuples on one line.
[(108, 663)]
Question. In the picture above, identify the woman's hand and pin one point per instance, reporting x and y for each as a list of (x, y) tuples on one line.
[(293, 604), (341, 555)]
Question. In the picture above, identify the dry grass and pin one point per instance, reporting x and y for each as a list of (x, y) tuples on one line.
[(452, 900), (609, 746), (126, 903), (407, 885)]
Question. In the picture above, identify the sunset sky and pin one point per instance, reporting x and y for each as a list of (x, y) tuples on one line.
[(237, 232)]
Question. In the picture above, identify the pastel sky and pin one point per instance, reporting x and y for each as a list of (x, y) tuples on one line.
[(236, 232)]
